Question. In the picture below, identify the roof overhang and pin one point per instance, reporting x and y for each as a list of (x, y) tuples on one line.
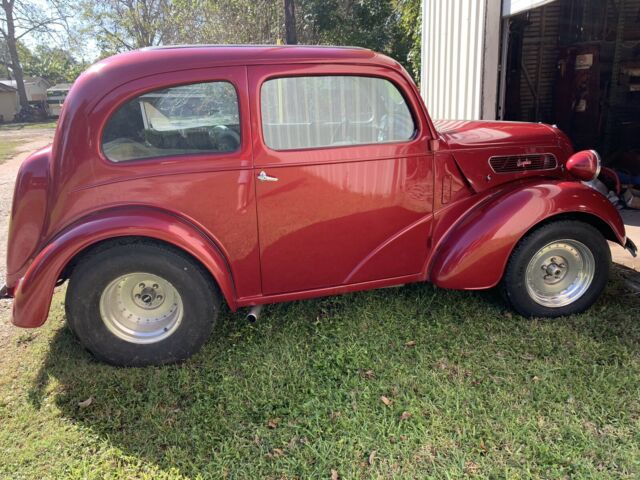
[(514, 7), (7, 88)]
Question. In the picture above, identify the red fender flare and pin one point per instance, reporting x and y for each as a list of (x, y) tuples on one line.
[(474, 254), (35, 289)]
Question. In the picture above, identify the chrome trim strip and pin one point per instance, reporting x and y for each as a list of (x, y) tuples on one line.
[(599, 164)]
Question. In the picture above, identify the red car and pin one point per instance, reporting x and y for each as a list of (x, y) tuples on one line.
[(182, 177)]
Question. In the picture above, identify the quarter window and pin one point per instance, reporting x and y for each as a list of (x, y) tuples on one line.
[(329, 111), (187, 119)]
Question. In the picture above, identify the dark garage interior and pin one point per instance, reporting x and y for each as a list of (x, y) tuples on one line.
[(576, 64)]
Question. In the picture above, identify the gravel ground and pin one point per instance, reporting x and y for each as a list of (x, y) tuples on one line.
[(33, 140)]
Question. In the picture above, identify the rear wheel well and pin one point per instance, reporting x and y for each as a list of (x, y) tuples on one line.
[(102, 245)]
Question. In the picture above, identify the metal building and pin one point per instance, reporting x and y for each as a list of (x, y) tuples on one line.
[(575, 63)]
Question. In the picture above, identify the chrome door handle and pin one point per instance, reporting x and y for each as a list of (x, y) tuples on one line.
[(263, 177)]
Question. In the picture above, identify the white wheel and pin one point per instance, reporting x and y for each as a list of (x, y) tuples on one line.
[(141, 308), (560, 273), (558, 269), (141, 303)]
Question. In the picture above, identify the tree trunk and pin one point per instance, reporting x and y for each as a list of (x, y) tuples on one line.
[(13, 53), (290, 22)]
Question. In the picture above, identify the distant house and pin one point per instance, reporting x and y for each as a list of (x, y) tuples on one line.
[(8, 102), (56, 96), (35, 87)]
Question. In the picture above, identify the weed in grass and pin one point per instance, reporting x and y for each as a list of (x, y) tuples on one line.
[(472, 390)]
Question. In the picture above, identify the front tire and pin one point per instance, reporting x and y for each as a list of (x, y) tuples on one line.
[(558, 269), (137, 304)]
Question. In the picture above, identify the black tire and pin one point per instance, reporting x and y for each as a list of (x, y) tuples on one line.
[(89, 279), (513, 285)]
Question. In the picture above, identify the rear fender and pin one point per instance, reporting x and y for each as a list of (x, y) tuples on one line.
[(474, 253), (34, 291)]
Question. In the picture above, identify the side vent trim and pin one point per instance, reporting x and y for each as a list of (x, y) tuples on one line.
[(523, 163)]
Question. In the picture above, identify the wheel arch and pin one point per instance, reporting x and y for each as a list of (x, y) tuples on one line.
[(474, 253), (595, 221), (67, 270), (57, 258)]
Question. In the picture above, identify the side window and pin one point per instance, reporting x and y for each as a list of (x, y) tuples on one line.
[(313, 112), (187, 119)]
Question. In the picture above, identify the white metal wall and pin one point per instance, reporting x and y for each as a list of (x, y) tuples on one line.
[(460, 52)]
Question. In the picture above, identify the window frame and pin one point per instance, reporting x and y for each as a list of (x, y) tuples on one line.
[(164, 158), (414, 117)]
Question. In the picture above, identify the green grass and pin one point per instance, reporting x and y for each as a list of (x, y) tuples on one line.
[(27, 126), (481, 393), (8, 149)]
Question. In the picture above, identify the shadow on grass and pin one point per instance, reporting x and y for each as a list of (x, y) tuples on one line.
[(261, 399)]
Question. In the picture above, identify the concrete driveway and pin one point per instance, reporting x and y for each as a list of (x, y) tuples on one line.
[(632, 225)]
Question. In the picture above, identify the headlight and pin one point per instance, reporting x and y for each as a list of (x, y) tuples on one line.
[(584, 165)]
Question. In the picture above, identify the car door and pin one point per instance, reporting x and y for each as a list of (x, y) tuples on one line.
[(344, 176), (180, 141)]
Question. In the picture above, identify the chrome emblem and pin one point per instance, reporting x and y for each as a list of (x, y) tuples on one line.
[(524, 163)]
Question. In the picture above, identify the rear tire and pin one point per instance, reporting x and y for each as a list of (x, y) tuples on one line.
[(558, 269), (137, 304)]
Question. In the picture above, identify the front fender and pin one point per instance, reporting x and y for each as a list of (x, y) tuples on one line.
[(474, 253), (34, 291)]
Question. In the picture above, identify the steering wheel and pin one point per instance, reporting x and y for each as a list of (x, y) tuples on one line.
[(344, 126), (383, 129)]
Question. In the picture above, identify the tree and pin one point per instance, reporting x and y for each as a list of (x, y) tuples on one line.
[(291, 37), (121, 25), (410, 12), (19, 18), (234, 22), (55, 64)]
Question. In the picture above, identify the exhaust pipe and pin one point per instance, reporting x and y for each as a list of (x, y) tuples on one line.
[(254, 313)]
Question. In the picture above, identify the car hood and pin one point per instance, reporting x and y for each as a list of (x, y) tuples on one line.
[(474, 143), (483, 133)]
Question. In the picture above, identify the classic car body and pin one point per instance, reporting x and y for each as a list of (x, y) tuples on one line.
[(446, 205)]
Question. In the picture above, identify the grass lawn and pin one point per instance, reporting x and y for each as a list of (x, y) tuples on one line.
[(27, 126), (8, 148), (412, 382)]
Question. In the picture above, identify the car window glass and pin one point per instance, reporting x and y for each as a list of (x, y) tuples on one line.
[(186, 119), (312, 112)]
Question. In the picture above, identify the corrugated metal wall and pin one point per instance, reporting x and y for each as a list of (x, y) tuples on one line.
[(455, 49)]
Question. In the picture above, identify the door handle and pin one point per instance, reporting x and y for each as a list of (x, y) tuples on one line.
[(263, 177)]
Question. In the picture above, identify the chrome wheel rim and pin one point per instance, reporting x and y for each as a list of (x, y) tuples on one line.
[(141, 308), (560, 273)]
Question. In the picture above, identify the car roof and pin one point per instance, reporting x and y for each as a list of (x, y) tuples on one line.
[(202, 56), (110, 72)]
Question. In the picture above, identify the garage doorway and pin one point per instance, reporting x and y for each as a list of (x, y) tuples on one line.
[(576, 64)]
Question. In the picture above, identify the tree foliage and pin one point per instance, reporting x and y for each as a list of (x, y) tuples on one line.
[(121, 25), (22, 18), (388, 26), (54, 64), (381, 25), (410, 20)]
